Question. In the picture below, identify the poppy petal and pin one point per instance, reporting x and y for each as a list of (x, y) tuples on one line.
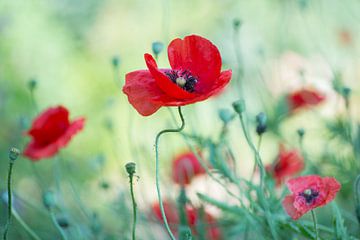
[(199, 56), (164, 83), (288, 204), (140, 87), (224, 79)]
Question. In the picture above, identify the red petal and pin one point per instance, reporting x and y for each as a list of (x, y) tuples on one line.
[(185, 167), (36, 151), (199, 56), (332, 186), (288, 204), (140, 87), (218, 86), (164, 83), (299, 184)]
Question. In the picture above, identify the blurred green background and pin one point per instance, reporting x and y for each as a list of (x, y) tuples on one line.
[(68, 48)]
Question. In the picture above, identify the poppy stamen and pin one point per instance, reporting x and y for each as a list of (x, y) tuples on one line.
[(310, 195), (183, 79)]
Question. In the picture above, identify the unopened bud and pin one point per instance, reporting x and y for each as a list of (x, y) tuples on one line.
[(225, 115), (32, 84), (239, 106), (237, 23), (301, 132), (157, 47), (48, 199), (63, 222), (261, 120), (115, 61), (13, 154), (130, 168)]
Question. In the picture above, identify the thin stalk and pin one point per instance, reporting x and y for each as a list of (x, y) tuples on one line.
[(134, 205), (28, 230), (58, 227), (157, 169), (9, 200), (315, 224), (258, 149)]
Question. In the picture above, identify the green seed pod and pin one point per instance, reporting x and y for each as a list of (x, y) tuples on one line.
[(239, 106), (157, 47), (13, 154), (130, 168), (48, 199), (225, 115)]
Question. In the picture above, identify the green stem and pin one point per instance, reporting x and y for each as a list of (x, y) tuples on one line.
[(315, 224), (58, 227), (9, 200), (157, 169), (131, 176), (25, 226), (255, 164), (253, 148)]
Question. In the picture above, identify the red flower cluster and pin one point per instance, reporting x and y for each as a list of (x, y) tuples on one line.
[(309, 192), (185, 167), (194, 76), (304, 98), (288, 163), (51, 131), (193, 218)]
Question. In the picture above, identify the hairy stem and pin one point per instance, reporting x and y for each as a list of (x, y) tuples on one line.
[(157, 169)]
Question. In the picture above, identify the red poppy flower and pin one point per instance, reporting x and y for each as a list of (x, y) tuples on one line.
[(288, 163), (51, 131), (309, 192), (193, 218), (304, 98), (194, 76), (185, 167)]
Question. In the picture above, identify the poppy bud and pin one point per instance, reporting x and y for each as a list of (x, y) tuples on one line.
[(239, 106), (32, 84), (115, 61), (261, 120), (301, 132), (237, 23), (225, 115), (104, 185), (48, 199), (130, 168), (157, 47), (63, 222), (13, 154)]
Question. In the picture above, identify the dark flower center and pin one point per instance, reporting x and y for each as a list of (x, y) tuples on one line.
[(310, 195), (183, 79)]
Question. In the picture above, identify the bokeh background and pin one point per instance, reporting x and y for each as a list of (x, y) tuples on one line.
[(69, 49)]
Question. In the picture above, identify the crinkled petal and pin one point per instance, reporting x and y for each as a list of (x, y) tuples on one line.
[(288, 204), (199, 56), (164, 83), (332, 186), (301, 183), (140, 87)]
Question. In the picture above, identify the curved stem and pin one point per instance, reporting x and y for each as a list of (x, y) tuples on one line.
[(157, 169), (9, 200), (25, 226), (61, 231), (315, 224), (131, 176)]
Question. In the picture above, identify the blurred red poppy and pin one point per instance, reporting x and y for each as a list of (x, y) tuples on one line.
[(304, 98), (194, 218), (309, 192), (50, 132), (194, 76), (185, 167), (287, 164)]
